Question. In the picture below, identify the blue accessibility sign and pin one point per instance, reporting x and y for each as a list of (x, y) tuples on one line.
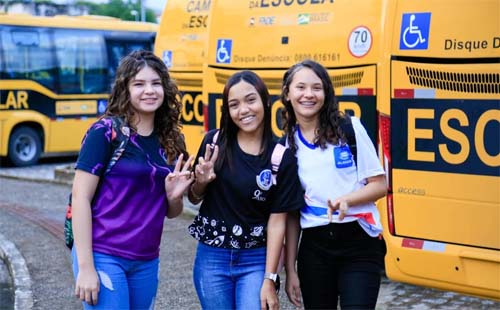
[(224, 48), (415, 28), (167, 58)]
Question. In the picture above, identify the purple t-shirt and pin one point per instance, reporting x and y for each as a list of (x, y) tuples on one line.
[(129, 206)]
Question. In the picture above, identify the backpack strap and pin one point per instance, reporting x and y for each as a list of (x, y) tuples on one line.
[(119, 137), (214, 138), (276, 157), (348, 129)]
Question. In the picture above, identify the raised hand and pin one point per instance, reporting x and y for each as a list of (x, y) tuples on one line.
[(341, 205), (178, 181), (204, 170)]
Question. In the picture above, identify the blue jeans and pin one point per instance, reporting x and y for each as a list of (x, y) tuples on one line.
[(229, 278), (124, 283)]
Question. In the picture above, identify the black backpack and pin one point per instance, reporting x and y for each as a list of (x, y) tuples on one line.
[(119, 138), (348, 129)]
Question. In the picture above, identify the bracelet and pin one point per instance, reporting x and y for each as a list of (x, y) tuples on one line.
[(195, 196)]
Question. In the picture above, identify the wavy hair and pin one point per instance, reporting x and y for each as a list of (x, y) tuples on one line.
[(329, 129), (166, 121), (229, 130)]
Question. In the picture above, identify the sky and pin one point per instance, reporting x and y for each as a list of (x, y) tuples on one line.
[(156, 5)]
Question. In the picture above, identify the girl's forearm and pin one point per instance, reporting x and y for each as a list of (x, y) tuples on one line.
[(276, 227), (292, 240), (82, 232)]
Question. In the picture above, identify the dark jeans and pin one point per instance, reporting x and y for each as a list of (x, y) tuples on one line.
[(340, 261)]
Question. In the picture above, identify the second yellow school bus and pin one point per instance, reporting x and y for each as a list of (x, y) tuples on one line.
[(55, 78)]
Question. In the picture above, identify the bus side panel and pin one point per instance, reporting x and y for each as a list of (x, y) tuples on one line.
[(192, 109), (443, 266), (182, 34), (445, 205), (180, 42), (62, 129)]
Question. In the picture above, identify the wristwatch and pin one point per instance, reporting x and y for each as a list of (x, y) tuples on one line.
[(271, 276), (275, 278)]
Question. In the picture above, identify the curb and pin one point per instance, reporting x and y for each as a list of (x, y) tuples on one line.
[(23, 296)]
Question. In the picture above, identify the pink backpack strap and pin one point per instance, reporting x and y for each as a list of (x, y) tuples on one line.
[(214, 138), (276, 158)]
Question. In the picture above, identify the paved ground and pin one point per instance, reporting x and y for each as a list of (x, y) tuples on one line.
[(32, 215)]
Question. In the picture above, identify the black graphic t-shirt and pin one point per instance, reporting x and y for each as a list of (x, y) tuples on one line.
[(238, 203)]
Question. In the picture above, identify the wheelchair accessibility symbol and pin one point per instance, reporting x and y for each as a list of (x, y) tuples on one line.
[(224, 47), (167, 58), (415, 31)]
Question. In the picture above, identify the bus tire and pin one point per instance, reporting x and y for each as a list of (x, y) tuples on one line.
[(25, 147)]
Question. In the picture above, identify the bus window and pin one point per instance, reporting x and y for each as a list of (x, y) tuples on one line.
[(117, 49), (82, 61), (28, 55)]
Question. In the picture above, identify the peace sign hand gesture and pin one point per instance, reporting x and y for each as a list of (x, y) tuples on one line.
[(339, 205), (178, 181), (204, 170)]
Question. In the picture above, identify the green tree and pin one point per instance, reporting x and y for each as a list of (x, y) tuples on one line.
[(120, 9)]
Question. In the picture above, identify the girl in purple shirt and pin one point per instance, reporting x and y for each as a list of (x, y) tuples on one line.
[(118, 215)]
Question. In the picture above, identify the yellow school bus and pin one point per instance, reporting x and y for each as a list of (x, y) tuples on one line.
[(424, 78), (180, 42), (55, 78), (269, 36), (440, 136)]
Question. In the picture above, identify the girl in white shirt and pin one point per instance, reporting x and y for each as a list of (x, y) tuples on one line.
[(341, 252)]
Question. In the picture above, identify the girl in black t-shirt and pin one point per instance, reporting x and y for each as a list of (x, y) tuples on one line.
[(241, 223)]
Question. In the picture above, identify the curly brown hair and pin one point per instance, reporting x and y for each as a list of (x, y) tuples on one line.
[(166, 121), (330, 117)]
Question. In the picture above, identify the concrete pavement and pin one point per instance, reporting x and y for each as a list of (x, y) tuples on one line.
[(31, 222), (31, 219)]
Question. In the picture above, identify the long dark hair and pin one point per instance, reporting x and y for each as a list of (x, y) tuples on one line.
[(329, 129), (229, 130), (166, 121)]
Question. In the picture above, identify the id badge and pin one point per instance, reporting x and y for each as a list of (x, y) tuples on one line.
[(343, 156)]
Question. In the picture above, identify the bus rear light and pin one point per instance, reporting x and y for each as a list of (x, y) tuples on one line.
[(390, 214), (385, 138)]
